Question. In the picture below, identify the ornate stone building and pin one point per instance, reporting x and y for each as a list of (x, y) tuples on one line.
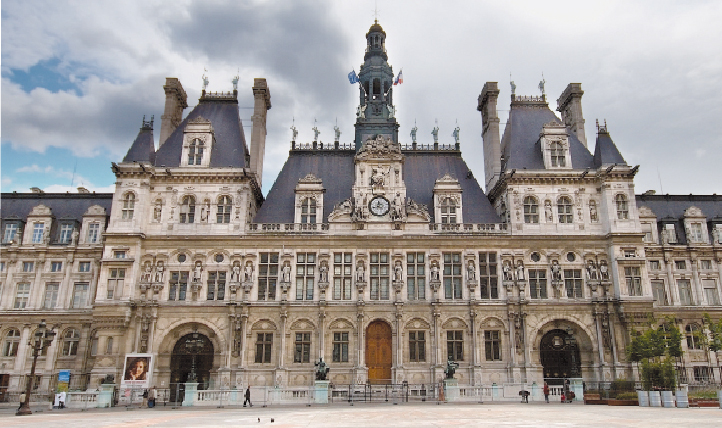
[(385, 259)]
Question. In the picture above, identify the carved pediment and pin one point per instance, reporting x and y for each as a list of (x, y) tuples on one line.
[(41, 210), (303, 324), (645, 211), (310, 178), (379, 146), (264, 324), (199, 119), (95, 210), (693, 212), (341, 324), (417, 324), (454, 324), (492, 322)]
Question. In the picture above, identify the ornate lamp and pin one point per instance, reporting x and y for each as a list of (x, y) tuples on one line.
[(41, 340), (193, 347)]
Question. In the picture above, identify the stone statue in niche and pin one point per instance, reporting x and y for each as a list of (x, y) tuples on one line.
[(507, 271), (360, 272), (548, 211), (398, 272), (205, 211), (157, 211), (248, 272), (236, 273), (159, 270), (323, 272), (470, 271), (592, 272), (556, 271), (604, 270), (435, 271), (286, 273), (593, 211), (197, 270), (147, 274), (520, 271)]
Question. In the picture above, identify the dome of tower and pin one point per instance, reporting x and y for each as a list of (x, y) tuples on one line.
[(376, 28)]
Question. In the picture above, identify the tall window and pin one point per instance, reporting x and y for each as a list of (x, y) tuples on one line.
[(28, 266), (488, 276), (448, 211), (647, 230), (680, 265), (22, 295), (660, 294), (692, 333), (38, 229), (558, 155), (696, 232), (80, 295), (564, 209), (216, 285), (308, 210), (267, 276), (531, 210), (452, 276), (56, 266), (573, 283), (264, 344), (417, 346), (93, 232), (538, 283), (195, 152), (11, 230), (633, 276), (685, 292), (492, 345), (83, 266), (178, 285), (416, 276), (455, 345), (305, 275), (51, 295), (705, 264), (66, 231), (379, 276), (109, 346), (12, 342), (116, 279), (340, 347), (223, 215), (342, 274), (128, 206), (622, 207), (71, 339), (671, 233), (710, 292), (188, 209), (654, 265), (302, 353)]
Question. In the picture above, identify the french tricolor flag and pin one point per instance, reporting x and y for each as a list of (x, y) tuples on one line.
[(400, 78)]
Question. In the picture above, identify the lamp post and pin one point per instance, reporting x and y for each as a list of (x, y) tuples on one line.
[(571, 346), (41, 340), (194, 346)]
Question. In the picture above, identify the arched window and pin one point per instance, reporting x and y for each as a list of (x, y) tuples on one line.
[(448, 211), (693, 332), (622, 207), (71, 338), (12, 341), (128, 206), (223, 215), (531, 210), (195, 152), (188, 209), (564, 209), (558, 154), (308, 210)]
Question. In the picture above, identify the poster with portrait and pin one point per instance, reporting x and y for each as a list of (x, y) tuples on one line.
[(137, 371)]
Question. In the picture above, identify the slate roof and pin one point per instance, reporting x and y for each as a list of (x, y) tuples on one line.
[(671, 208), (143, 148), (606, 152), (336, 169), (520, 142), (229, 149), (64, 206)]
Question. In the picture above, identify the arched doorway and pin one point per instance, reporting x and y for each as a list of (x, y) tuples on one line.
[(559, 354), (191, 353), (378, 352)]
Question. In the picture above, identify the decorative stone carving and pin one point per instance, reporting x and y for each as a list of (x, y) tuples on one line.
[(592, 271), (159, 271), (248, 276), (147, 275), (508, 275), (323, 276), (379, 146), (520, 275), (548, 213), (604, 270)]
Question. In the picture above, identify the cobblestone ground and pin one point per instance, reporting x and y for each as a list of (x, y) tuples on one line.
[(375, 415)]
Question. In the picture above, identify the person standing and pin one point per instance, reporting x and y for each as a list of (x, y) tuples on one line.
[(248, 397), (22, 400), (151, 397), (145, 398), (546, 392)]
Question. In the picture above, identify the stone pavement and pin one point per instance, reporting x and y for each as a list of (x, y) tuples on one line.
[(416, 415)]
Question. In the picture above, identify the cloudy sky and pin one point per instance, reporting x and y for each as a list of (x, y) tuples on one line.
[(77, 77)]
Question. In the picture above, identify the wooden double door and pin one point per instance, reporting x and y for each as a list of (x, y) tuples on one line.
[(378, 352)]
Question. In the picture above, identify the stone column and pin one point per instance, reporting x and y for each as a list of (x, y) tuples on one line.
[(282, 332), (360, 343), (673, 296), (696, 283), (600, 341), (23, 349), (151, 330), (474, 347), (321, 334), (138, 332), (244, 339)]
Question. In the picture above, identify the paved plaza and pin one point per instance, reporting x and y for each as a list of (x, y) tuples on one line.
[(417, 415)]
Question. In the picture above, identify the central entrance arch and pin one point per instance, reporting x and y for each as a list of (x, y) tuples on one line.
[(182, 363), (559, 354), (378, 352)]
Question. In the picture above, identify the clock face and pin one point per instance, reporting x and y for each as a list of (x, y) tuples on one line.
[(379, 206)]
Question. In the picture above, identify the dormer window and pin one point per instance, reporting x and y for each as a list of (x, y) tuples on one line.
[(38, 230), (188, 209), (558, 155), (66, 230), (564, 210), (448, 211), (11, 231), (309, 200), (670, 233), (531, 210), (622, 207), (93, 232), (308, 211), (223, 215), (696, 232), (128, 206), (195, 152)]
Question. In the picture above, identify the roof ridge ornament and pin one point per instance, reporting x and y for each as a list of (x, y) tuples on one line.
[(205, 79), (602, 129)]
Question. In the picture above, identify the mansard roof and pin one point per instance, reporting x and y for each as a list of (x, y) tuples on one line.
[(606, 152), (520, 143), (336, 169), (143, 148), (66, 206), (229, 149), (674, 206)]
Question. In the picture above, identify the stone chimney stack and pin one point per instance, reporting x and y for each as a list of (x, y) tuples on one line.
[(262, 103), (490, 133), (176, 101), (570, 105)]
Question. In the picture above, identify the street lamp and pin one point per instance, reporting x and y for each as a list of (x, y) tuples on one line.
[(571, 346), (194, 346), (42, 339)]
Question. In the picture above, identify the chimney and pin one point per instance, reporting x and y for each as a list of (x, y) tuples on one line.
[(262, 103), (175, 102), (570, 105), (490, 133)]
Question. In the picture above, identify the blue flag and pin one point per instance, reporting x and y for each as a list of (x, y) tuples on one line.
[(352, 77)]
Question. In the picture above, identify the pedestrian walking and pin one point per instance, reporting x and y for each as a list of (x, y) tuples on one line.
[(22, 400), (145, 399), (151, 397), (248, 397), (546, 392)]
